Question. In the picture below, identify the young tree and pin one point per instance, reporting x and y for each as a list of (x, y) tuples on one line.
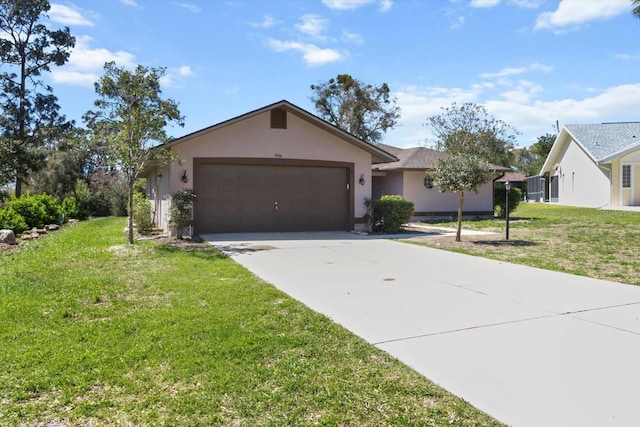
[(363, 110), (461, 173), (473, 139), (469, 128), (131, 117), (30, 110)]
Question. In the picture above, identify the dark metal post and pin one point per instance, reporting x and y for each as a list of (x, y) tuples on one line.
[(507, 186)]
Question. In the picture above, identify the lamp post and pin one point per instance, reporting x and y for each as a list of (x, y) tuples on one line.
[(507, 186)]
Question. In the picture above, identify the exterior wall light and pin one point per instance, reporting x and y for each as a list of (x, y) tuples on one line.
[(184, 177), (361, 180)]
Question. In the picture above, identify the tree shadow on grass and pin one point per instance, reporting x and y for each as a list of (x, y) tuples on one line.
[(503, 243), (198, 250)]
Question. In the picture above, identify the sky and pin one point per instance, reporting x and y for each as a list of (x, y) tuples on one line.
[(532, 63)]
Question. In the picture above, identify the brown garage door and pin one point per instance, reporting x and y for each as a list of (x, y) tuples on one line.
[(247, 197)]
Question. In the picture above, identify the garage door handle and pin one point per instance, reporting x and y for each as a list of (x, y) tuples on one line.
[(276, 206)]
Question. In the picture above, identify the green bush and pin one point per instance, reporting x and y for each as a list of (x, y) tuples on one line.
[(182, 210), (500, 197), (73, 208), (37, 210), (142, 213), (11, 220), (390, 213)]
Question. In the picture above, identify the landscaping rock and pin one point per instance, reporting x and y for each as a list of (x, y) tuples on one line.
[(27, 235), (52, 227), (8, 237)]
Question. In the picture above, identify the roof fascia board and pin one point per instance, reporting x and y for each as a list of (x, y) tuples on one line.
[(620, 153)]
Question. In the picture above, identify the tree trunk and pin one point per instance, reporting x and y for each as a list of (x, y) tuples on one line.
[(130, 234), (460, 203), (18, 187)]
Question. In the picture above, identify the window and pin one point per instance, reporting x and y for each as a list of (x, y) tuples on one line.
[(626, 176), (428, 181), (278, 118)]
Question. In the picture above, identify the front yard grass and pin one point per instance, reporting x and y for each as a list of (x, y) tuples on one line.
[(597, 243), (94, 332)]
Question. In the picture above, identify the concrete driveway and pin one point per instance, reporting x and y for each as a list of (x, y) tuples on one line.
[(529, 347)]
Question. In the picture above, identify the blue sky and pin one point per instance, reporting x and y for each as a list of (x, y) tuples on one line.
[(530, 62)]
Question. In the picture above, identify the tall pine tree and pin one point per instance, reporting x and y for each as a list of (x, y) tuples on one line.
[(30, 112)]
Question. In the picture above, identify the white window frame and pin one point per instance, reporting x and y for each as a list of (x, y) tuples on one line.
[(622, 175)]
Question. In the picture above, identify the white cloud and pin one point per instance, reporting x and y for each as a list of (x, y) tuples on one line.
[(512, 71), (174, 77), (352, 37), (458, 23), (190, 7), (267, 22), (85, 63), (519, 106), (313, 25), (68, 16), (313, 55), (527, 4), (385, 5), (483, 3), (129, 3), (572, 13)]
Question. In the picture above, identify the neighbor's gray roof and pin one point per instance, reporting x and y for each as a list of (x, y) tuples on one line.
[(418, 158), (607, 140)]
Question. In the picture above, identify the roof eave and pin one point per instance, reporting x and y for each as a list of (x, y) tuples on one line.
[(378, 155)]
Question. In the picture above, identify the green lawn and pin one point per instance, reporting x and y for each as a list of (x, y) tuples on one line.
[(597, 243), (93, 332)]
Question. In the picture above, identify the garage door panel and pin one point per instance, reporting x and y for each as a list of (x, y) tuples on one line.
[(240, 197)]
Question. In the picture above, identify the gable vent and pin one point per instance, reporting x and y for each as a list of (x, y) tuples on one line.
[(278, 118)]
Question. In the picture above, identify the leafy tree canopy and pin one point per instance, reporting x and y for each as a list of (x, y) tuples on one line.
[(470, 129), (461, 173), (530, 160), (636, 8), (363, 110)]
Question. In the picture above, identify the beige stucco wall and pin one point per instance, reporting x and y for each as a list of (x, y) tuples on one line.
[(410, 184), (254, 138), (627, 196), (432, 200), (389, 184), (581, 181)]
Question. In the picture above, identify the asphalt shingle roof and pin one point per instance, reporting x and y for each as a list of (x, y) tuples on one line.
[(417, 158), (411, 158), (606, 139)]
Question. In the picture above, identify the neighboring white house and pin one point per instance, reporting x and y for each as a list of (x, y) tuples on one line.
[(409, 177), (592, 165)]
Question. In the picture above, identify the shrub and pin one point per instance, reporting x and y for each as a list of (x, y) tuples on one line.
[(142, 213), (390, 212), (182, 210), (11, 220), (37, 210), (73, 208), (500, 197)]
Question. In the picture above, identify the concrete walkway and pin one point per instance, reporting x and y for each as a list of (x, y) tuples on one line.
[(529, 347)]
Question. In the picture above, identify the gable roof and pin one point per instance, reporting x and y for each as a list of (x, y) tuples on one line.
[(606, 141), (378, 154), (602, 142), (418, 158)]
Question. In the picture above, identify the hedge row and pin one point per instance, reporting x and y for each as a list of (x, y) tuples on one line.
[(31, 211)]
